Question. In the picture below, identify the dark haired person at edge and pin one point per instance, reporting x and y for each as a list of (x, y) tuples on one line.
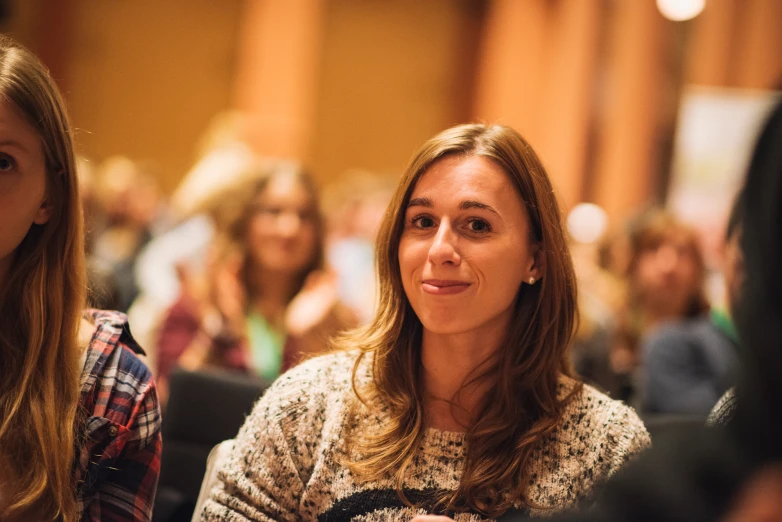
[(79, 418), (458, 397), (732, 473), (733, 260)]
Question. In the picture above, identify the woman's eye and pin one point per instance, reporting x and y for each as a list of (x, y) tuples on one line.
[(6, 163), (479, 225), (423, 222), (270, 211)]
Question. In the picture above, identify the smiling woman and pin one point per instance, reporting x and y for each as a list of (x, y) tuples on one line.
[(461, 400)]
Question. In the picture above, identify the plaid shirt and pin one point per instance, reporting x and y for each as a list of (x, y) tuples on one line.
[(119, 460)]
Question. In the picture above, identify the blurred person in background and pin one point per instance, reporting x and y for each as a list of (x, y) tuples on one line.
[(600, 297), (267, 301), (102, 291), (223, 160), (461, 397), (688, 360), (133, 208), (355, 206), (664, 284), (79, 418)]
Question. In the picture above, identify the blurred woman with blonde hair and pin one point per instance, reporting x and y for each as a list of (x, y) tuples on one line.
[(79, 420), (458, 397), (266, 300)]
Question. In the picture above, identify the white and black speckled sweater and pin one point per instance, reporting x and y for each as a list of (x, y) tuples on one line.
[(285, 465)]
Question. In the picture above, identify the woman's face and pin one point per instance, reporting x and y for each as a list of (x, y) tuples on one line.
[(668, 275), (22, 182), (281, 233), (465, 249)]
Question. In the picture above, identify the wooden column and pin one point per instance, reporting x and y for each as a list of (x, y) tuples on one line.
[(277, 74), (627, 151), (535, 73), (708, 60), (510, 70), (758, 60), (568, 98)]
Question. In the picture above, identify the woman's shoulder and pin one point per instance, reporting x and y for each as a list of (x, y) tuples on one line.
[(112, 348), (115, 383), (321, 378), (603, 424), (724, 411), (303, 411)]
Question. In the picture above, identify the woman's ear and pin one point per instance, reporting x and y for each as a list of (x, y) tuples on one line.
[(537, 264), (44, 212)]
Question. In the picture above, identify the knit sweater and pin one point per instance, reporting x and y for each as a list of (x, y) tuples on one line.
[(286, 464)]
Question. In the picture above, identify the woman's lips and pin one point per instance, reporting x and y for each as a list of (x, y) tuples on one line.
[(444, 286)]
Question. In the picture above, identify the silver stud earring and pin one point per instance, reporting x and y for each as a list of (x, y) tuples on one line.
[(532, 280)]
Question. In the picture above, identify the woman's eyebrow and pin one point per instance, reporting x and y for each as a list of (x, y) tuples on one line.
[(466, 205), (13, 143), (420, 202)]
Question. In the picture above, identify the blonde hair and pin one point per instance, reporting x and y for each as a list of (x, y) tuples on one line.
[(522, 405), (40, 311)]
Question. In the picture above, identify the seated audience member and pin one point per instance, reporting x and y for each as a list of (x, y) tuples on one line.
[(457, 397), (267, 301), (687, 365), (600, 298), (665, 285), (134, 212), (79, 419)]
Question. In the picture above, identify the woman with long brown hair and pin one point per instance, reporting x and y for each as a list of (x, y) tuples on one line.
[(458, 397), (79, 422), (267, 300)]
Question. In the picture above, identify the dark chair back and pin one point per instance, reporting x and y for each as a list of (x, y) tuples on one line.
[(204, 408), (665, 426)]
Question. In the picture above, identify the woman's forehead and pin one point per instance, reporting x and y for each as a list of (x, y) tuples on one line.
[(459, 177), (285, 187)]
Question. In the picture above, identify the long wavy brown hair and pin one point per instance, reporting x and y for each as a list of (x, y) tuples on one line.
[(40, 310), (522, 405)]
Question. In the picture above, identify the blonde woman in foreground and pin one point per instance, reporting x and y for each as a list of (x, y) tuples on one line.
[(79, 418), (457, 399)]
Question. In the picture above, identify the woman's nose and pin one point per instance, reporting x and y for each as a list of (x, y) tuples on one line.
[(443, 249), (288, 224), (667, 258)]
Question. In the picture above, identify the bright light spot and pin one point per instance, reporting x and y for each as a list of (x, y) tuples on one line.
[(587, 222), (680, 10)]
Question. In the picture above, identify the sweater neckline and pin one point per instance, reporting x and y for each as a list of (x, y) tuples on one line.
[(444, 443)]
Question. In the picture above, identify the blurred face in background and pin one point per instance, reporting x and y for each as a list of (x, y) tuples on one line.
[(668, 274), (281, 233)]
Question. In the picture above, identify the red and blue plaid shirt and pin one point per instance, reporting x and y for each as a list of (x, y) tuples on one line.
[(119, 458)]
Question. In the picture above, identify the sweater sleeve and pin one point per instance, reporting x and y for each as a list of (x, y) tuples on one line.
[(627, 438), (262, 477)]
